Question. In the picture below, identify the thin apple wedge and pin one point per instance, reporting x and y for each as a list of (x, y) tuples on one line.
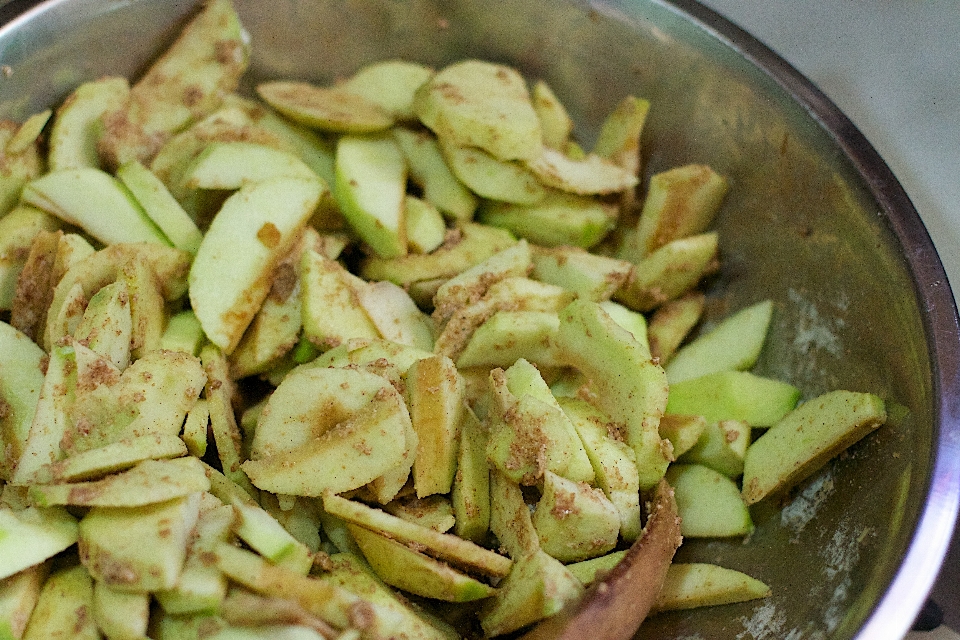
[(325, 108), (631, 388), (409, 570), (480, 104), (371, 180), (440, 545), (21, 378), (73, 137), (31, 536), (80, 196), (229, 278), (806, 438), (690, 585), (347, 456), (230, 165), (149, 482)]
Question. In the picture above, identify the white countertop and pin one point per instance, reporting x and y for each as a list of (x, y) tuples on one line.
[(893, 67)]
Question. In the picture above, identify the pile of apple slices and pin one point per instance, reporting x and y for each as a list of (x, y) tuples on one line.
[(312, 368)]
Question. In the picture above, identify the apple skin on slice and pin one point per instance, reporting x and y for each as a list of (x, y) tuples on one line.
[(229, 278)]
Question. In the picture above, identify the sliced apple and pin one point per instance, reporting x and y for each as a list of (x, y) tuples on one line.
[(733, 344), (590, 176), (73, 137), (229, 278), (409, 570), (183, 85), (691, 585), (431, 173), (806, 438), (371, 182), (435, 398), (21, 378), (230, 165), (80, 196), (481, 104), (353, 452), (391, 84), (636, 394), (31, 536), (325, 108), (160, 206)]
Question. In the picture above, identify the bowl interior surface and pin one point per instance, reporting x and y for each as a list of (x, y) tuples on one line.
[(800, 225)]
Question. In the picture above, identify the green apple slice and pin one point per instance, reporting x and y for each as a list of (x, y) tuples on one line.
[(733, 344), (425, 226), (229, 278), (31, 536), (806, 438), (708, 502), (149, 482), (671, 322), (187, 82), (471, 285), (574, 521), (466, 246), (435, 398), (309, 402), (396, 316), (636, 394), (160, 206), (328, 109), (613, 462), (619, 137), (590, 276), (538, 587), (80, 196), (490, 178), (669, 272), (480, 104), (230, 165), (470, 495), (721, 447), (19, 168), (120, 614), (430, 172), (510, 335), (680, 202), (330, 303), (116, 456), (404, 568), (593, 175), (391, 84), (356, 451), (734, 395), (439, 545), (587, 571), (18, 597), (555, 122), (692, 585), (138, 548), (18, 228), (371, 183), (683, 431), (73, 137), (65, 592), (558, 219), (21, 378)]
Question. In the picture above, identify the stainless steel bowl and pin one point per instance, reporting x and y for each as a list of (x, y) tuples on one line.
[(814, 219)]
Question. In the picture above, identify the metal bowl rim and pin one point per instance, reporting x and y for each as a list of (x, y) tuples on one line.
[(893, 614)]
